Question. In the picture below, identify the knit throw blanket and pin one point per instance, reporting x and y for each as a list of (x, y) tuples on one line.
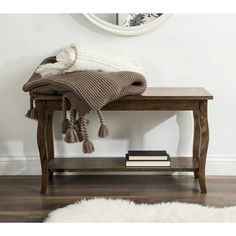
[(81, 57), (84, 91)]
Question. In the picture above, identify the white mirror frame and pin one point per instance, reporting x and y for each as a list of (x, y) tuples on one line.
[(124, 31)]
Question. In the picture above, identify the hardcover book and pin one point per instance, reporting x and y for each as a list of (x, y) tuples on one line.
[(145, 163), (135, 155)]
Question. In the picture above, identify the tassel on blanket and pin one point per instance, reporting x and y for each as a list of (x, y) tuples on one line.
[(79, 129), (65, 122), (32, 113), (88, 146), (71, 134), (103, 130), (65, 125)]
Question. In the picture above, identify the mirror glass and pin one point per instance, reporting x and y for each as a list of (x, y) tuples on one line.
[(129, 24), (129, 19)]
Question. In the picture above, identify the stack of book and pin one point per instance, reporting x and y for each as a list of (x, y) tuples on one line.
[(147, 158)]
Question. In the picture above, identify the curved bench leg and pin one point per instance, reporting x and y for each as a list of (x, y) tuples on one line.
[(204, 145), (41, 133), (196, 140), (49, 140)]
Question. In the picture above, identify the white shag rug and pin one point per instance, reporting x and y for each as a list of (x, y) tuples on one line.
[(108, 210)]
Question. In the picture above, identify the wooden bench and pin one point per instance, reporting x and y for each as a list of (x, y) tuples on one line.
[(154, 99)]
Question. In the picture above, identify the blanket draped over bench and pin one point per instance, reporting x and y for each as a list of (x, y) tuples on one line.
[(84, 91)]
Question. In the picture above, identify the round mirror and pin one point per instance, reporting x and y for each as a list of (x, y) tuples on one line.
[(129, 24)]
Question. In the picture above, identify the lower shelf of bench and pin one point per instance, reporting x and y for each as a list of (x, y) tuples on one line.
[(114, 164)]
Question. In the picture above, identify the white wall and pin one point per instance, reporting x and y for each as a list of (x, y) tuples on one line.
[(186, 50)]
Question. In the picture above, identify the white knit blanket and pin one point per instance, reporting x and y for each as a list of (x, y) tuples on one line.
[(77, 57)]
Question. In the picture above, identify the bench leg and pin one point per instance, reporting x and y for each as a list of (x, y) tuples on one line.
[(49, 140), (204, 145), (41, 133), (196, 139)]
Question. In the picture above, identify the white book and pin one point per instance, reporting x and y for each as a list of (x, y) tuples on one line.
[(148, 158), (147, 163)]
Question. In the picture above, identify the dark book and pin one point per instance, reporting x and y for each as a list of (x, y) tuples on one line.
[(135, 155), (145, 163)]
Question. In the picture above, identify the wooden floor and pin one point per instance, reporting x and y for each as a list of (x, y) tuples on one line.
[(20, 200)]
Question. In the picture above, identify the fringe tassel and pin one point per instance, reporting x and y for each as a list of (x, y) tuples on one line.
[(103, 130), (79, 129), (32, 113), (88, 146), (71, 134), (65, 125), (81, 136), (65, 122)]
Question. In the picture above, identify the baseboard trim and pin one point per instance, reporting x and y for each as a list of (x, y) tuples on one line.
[(30, 165)]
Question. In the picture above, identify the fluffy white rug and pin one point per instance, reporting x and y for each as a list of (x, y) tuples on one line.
[(105, 210)]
